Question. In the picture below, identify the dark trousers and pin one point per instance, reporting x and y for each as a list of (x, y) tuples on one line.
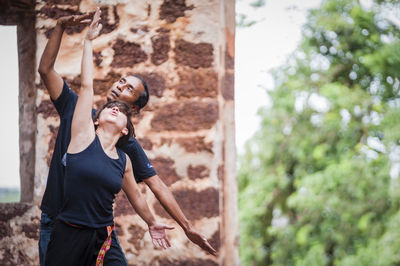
[(70, 246)]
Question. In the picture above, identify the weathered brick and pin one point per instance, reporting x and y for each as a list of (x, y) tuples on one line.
[(146, 143), (137, 234), (228, 87), (184, 262), (195, 144), (161, 48), (127, 54), (165, 170), (10, 210), (198, 172), (186, 116), (194, 55), (122, 205), (31, 230), (47, 109), (195, 205), (155, 82), (201, 82), (170, 10)]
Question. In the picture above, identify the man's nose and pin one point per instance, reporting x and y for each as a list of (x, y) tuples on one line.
[(120, 87), (115, 108)]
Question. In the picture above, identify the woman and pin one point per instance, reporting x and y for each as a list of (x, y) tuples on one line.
[(95, 171)]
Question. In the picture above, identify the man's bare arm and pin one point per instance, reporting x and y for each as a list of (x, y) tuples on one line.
[(168, 201), (52, 80)]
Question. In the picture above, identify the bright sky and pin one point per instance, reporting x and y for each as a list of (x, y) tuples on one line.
[(259, 48), (9, 133)]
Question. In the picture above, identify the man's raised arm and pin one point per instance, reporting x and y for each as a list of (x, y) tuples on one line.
[(52, 80)]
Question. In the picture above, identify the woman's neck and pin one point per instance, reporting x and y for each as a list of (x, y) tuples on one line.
[(108, 139)]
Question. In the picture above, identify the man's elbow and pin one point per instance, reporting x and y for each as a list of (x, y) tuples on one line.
[(43, 70)]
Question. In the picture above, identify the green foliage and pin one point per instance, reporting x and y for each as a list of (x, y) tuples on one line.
[(242, 19), (318, 183)]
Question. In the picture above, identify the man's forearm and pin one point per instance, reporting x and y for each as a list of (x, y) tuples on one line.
[(168, 201), (50, 52)]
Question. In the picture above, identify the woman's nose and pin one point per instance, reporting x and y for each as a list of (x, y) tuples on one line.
[(115, 108)]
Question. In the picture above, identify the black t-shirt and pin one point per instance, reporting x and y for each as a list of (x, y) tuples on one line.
[(92, 179), (53, 196)]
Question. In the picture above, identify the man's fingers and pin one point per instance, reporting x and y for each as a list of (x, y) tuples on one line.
[(207, 247), (85, 21), (85, 16), (210, 249)]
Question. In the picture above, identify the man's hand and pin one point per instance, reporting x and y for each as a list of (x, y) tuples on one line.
[(74, 20), (201, 241), (95, 26), (158, 236)]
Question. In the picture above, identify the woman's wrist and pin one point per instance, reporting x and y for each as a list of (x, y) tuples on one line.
[(151, 222)]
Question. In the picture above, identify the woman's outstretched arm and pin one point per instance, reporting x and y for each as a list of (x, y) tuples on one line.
[(131, 189), (82, 130)]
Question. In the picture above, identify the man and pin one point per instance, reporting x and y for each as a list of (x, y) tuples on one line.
[(130, 89)]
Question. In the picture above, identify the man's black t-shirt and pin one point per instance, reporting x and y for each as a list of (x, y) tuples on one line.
[(53, 196)]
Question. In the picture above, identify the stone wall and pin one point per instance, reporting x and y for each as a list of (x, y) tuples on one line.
[(184, 50)]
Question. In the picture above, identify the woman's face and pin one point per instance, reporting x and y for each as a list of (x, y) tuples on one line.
[(113, 115)]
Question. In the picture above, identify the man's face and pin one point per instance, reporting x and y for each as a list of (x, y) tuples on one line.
[(127, 89)]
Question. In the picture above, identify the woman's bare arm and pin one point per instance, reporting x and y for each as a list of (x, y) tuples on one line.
[(82, 129), (131, 189)]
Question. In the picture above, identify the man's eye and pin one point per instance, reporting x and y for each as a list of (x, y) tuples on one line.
[(122, 80)]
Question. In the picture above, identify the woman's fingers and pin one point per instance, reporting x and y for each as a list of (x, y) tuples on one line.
[(97, 14)]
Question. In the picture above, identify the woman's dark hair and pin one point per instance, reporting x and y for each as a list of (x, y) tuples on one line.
[(123, 108), (144, 97)]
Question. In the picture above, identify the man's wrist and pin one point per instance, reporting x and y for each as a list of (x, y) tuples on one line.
[(60, 25), (187, 227)]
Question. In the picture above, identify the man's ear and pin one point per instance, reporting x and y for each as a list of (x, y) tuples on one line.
[(125, 131), (135, 109)]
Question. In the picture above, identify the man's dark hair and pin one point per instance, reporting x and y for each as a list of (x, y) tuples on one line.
[(123, 108), (144, 97)]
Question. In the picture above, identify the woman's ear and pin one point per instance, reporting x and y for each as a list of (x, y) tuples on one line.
[(96, 123), (125, 131)]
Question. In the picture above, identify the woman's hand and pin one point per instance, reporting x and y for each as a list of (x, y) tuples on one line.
[(158, 236), (95, 26)]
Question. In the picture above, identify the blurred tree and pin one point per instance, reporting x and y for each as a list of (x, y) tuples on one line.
[(242, 19), (319, 182)]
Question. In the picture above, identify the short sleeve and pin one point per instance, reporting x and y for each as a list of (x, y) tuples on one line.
[(141, 165), (65, 103)]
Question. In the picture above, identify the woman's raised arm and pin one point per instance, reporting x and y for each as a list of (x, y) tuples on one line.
[(82, 129)]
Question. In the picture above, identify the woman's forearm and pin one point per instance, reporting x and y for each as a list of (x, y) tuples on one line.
[(87, 65), (142, 209)]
